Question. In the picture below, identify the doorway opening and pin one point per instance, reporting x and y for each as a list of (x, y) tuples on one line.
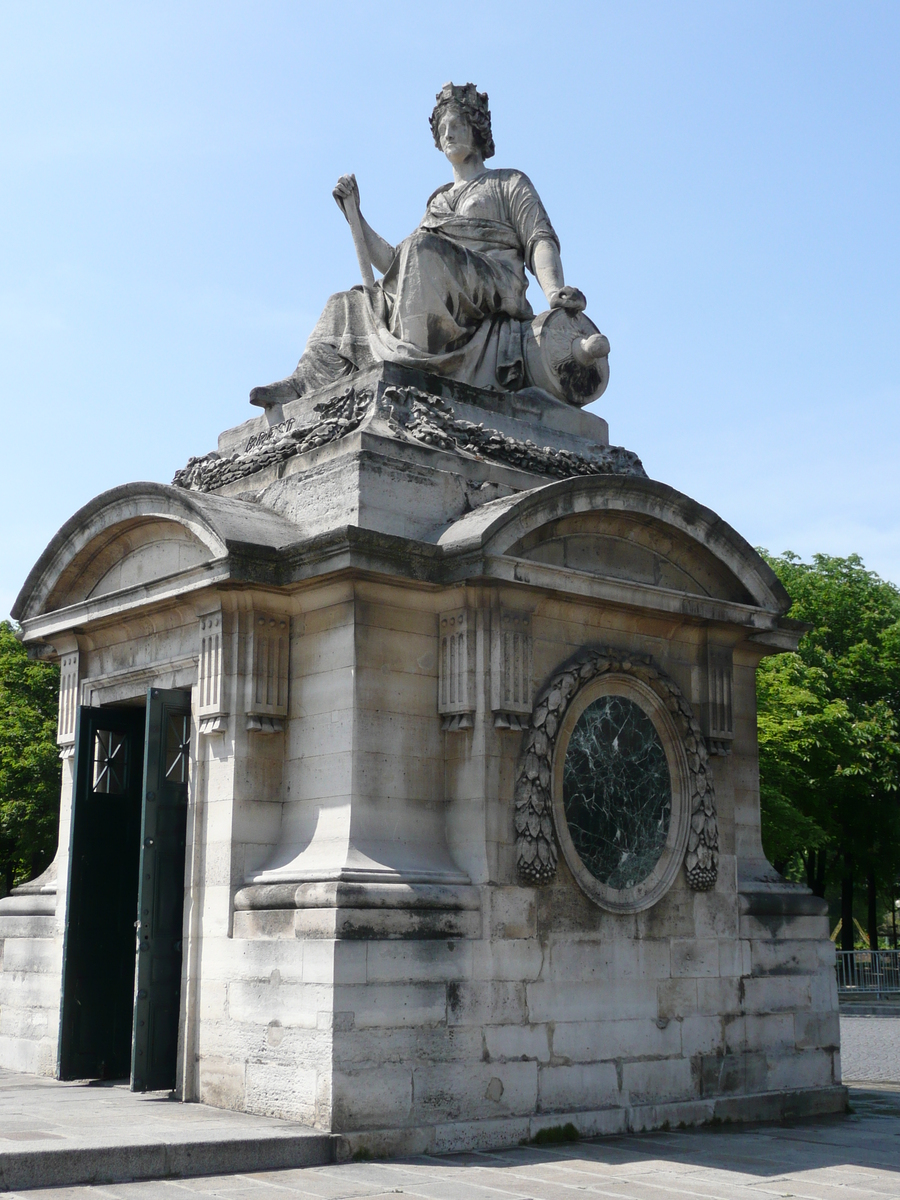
[(122, 949)]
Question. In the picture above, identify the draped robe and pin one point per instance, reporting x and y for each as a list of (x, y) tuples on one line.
[(452, 300)]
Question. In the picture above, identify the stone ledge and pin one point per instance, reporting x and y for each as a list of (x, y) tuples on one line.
[(78, 1165), (497, 1133), (28, 925), (359, 924), (887, 1006), (28, 904), (44, 884), (350, 894), (782, 904), (346, 909)]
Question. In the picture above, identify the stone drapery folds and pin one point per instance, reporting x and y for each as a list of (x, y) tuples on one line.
[(453, 302)]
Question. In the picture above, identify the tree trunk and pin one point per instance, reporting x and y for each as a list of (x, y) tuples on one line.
[(847, 904), (819, 889), (815, 871), (872, 909)]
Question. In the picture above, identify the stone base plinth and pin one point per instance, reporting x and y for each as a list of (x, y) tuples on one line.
[(457, 1136), (30, 964)]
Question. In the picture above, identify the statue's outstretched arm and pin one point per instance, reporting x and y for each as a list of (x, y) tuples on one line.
[(380, 251), (549, 272)]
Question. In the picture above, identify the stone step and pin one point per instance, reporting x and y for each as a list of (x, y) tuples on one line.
[(63, 1134)]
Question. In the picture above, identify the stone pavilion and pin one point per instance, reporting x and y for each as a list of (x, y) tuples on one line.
[(410, 782)]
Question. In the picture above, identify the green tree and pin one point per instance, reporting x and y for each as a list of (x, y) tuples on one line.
[(29, 762), (830, 736)]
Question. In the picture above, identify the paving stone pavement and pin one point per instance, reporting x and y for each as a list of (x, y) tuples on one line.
[(853, 1157), (870, 1049)]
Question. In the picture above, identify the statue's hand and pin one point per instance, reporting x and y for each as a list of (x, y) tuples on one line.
[(569, 298), (345, 189)]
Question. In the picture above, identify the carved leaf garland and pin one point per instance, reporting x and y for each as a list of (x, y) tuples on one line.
[(337, 418), (536, 849), (414, 415), (431, 420)]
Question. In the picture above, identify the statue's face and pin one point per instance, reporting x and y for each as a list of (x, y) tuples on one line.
[(457, 136)]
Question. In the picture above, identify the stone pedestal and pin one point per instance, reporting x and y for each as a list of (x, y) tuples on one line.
[(390, 606)]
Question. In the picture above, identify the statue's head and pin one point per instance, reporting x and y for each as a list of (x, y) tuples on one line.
[(469, 103)]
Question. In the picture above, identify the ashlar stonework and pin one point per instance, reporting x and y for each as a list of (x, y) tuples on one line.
[(318, 697)]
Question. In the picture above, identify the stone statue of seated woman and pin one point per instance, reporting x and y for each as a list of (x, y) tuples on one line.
[(451, 299)]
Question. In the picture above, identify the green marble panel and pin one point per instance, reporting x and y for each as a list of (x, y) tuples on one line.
[(617, 793)]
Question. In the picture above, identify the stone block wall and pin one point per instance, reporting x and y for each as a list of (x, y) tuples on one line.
[(537, 1006), (31, 954), (610, 1023), (30, 969), (461, 1008)]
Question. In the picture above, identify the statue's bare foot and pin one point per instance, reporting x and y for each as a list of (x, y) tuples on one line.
[(271, 394)]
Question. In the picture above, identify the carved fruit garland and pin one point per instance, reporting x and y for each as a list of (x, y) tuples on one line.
[(536, 849)]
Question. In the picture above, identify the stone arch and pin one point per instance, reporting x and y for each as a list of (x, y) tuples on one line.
[(139, 533), (672, 541)]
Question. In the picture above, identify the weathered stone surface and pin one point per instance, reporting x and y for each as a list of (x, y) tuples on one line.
[(361, 949), (452, 299), (471, 426)]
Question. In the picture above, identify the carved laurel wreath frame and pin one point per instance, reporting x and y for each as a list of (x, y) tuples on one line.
[(537, 849)]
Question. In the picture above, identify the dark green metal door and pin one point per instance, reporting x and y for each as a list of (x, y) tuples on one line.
[(161, 890), (98, 957)]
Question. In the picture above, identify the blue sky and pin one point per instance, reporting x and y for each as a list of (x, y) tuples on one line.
[(723, 177)]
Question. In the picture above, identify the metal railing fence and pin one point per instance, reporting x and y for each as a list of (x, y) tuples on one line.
[(872, 972)]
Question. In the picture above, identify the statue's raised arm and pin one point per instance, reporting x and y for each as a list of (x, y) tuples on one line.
[(452, 297), (378, 252)]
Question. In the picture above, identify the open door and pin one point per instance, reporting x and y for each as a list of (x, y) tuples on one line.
[(98, 956), (161, 890)]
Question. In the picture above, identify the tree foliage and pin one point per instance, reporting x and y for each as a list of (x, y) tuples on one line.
[(829, 732), (29, 761)]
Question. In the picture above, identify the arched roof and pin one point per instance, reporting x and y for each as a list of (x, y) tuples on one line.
[(209, 524), (503, 526)]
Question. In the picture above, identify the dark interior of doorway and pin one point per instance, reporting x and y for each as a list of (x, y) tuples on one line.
[(98, 967), (120, 1019)]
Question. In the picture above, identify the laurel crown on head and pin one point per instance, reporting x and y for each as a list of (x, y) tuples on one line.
[(474, 107)]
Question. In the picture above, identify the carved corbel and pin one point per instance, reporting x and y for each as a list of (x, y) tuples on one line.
[(456, 669), (69, 682), (212, 712), (268, 660), (717, 704), (511, 669)]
